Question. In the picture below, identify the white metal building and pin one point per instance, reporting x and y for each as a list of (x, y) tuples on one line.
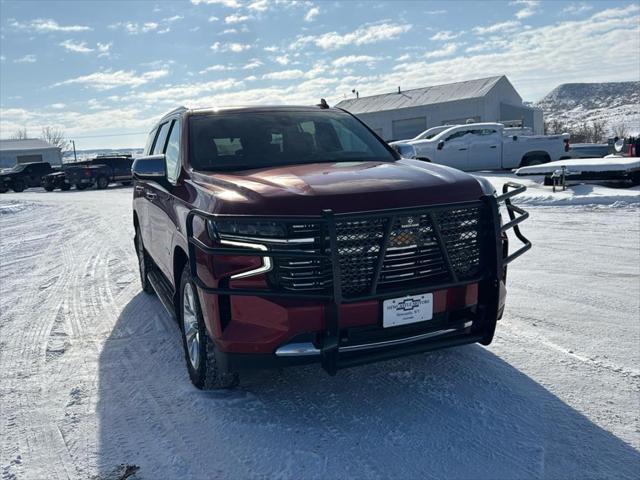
[(28, 150), (404, 114)]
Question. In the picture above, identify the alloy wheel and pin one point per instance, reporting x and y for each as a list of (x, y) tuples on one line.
[(190, 325)]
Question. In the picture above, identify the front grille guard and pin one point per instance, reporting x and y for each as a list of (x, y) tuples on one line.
[(328, 251)]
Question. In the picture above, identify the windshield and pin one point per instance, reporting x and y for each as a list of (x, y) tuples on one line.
[(241, 140), (18, 167)]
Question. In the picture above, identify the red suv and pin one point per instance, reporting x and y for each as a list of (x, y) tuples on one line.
[(290, 235)]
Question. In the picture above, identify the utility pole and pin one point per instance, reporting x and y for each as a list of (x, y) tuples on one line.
[(75, 158)]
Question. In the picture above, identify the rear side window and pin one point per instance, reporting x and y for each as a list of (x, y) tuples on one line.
[(172, 154), (158, 148)]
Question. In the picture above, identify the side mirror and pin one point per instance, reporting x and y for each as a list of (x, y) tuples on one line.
[(152, 168), (440, 144)]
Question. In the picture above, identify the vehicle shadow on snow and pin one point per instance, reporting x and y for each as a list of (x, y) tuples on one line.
[(458, 413)]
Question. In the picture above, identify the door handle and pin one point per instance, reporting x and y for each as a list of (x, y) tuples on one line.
[(150, 195), (461, 149), (493, 146), (139, 188)]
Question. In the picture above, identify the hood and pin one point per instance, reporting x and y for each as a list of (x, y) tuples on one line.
[(343, 187)]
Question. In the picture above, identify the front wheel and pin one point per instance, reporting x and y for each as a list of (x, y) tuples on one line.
[(102, 183), (18, 186), (81, 186), (199, 349), (65, 187), (49, 188), (3, 189)]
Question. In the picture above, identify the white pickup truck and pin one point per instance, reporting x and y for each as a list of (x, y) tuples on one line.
[(485, 146)]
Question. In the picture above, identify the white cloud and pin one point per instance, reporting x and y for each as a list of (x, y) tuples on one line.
[(46, 25), (577, 8), (175, 18), (507, 26), (259, 5), (361, 36), (446, 35), (103, 49), (446, 50), (271, 48), (254, 63), (529, 8), (435, 12), (403, 58), (217, 68), (26, 59), (236, 18), (58, 106), (282, 59), (2, 58), (135, 28), (234, 47), (108, 79), (284, 75), (213, 18), (226, 3), (78, 47), (351, 59), (311, 14)]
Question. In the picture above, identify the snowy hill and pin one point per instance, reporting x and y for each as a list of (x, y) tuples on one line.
[(615, 103)]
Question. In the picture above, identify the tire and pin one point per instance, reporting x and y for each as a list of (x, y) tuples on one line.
[(199, 349), (126, 184), (144, 264), (102, 183), (65, 187), (49, 188), (3, 189), (530, 160), (80, 186), (17, 186)]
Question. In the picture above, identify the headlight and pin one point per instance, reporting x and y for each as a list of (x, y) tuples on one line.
[(253, 229), (407, 151)]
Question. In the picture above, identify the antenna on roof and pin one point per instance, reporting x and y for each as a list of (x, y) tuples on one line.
[(399, 89), (323, 103)]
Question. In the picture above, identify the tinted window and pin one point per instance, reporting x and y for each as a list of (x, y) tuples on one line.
[(162, 139), (173, 152), (458, 134), (150, 139), (258, 139)]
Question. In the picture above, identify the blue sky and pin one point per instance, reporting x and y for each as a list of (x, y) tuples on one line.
[(104, 71)]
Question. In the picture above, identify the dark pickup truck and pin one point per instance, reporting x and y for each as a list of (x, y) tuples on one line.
[(24, 175), (100, 171), (290, 235)]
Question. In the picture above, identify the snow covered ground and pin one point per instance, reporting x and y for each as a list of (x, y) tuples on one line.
[(92, 377)]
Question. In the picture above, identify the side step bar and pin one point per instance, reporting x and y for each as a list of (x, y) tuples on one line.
[(308, 349), (163, 290)]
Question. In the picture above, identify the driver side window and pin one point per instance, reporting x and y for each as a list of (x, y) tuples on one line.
[(458, 134), (172, 154)]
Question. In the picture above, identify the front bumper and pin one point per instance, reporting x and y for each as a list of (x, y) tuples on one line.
[(261, 339)]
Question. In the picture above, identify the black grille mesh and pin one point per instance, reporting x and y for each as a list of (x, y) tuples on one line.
[(413, 255)]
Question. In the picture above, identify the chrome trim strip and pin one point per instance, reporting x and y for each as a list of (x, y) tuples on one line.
[(266, 261), (269, 240), (400, 341), (308, 349), (297, 350)]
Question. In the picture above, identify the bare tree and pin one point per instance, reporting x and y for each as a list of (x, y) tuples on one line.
[(55, 136), (19, 134), (598, 130), (620, 130)]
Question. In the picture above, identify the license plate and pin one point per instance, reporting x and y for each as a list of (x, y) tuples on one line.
[(408, 309)]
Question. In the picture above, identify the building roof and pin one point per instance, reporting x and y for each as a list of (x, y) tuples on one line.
[(421, 96), (25, 144)]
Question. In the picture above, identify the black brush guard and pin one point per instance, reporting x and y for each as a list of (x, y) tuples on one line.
[(329, 349)]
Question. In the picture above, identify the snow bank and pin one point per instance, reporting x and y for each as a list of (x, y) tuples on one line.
[(583, 194)]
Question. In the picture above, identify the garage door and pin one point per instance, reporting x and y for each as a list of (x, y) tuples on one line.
[(29, 158), (408, 128)]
